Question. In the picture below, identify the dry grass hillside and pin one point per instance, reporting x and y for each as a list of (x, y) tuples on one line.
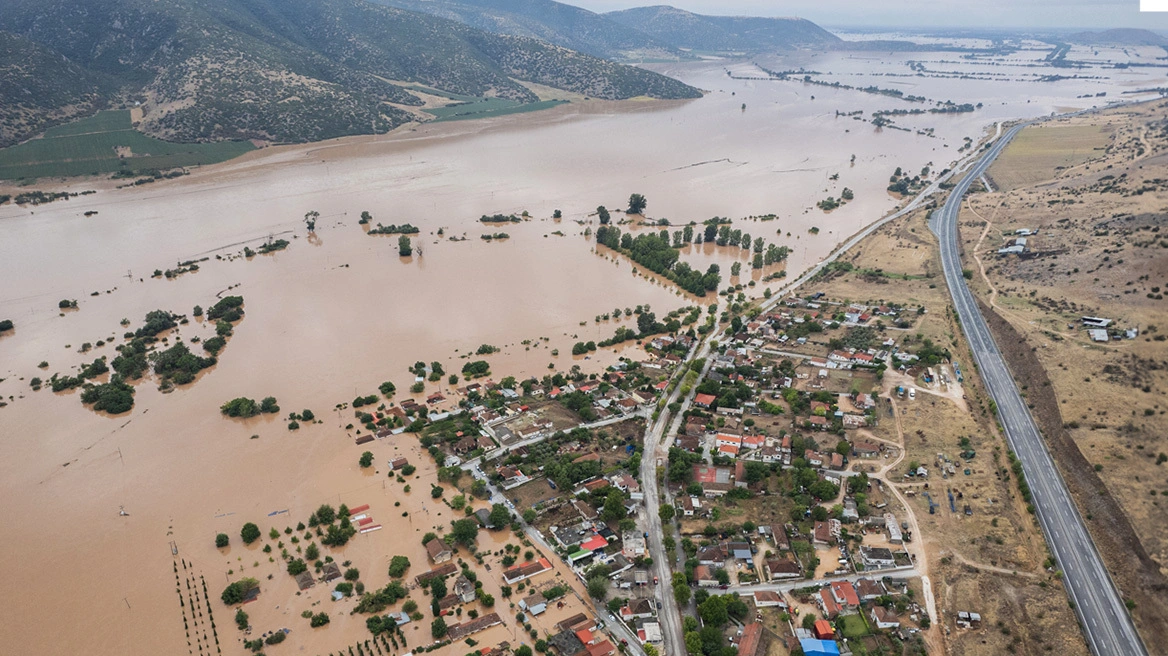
[(1101, 250)]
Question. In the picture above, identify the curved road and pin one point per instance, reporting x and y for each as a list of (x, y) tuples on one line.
[(1102, 615)]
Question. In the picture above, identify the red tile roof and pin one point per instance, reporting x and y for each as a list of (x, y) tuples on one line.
[(751, 635), (705, 399), (596, 543), (844, 590)]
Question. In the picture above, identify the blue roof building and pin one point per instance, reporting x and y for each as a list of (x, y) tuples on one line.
[(812, 647)]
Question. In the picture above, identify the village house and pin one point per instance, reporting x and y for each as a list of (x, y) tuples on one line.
[(823, 630), (845, 596), (626, 483), (866, 449), (704, 400), (632, 544), (826, 532), (586, 511), (704, 577), (464, 589), (894, 534), (877, 557), (689, 505), (869, 589), (729, 450), (398, 463), (534, 604), (438, 551), (739, 551), (750, 644), (460, 631), (779, 535), (713, 555), (512, 476), (526, 571), (445, 570), (767, 599), (837, 462), (826, 601), (814, 459), (728, 439), (778, 569), (885, 618), (637, 608), (648, 630)]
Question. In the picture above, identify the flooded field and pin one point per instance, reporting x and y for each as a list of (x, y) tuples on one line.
[(337, 313)]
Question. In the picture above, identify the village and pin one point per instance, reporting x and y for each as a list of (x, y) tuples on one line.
[(555, 463)]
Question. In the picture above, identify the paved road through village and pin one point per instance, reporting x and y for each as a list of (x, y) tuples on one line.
[(1105, 621)]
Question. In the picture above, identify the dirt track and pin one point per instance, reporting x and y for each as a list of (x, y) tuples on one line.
[(1138, 576)]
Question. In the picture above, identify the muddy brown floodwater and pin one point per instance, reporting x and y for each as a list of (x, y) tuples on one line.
[(338, 313)]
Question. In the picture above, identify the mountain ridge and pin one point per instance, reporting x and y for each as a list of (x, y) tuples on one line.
[(280, 70), (555, 22), (691, 31)]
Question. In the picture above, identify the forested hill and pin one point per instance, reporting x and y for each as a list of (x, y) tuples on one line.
[(555, 22), (683, 29), (277, 70)]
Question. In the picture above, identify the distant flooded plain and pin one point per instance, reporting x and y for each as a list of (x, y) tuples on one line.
[(338, 312)]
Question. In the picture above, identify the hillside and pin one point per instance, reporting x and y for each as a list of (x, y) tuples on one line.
[(40, 88), (692, 31), (277, 70), (1119, 37), (555, 22)]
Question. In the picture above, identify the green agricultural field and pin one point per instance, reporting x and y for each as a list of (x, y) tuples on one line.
[(89, 147), (488, 107)]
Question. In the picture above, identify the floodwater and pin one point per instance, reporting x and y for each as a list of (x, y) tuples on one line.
[(339, 312)]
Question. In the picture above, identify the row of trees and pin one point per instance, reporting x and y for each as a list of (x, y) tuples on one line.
[(654, 252)]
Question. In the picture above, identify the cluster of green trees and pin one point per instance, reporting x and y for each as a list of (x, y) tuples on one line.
[(6, 325), (178, 365), (60, 383), (580, 348), (476, 369), (229, 308), (716, 612), (156, 322), (901, 184), (272, 245), (404, 247), (391, 229), (654, 252), (244, 407), (398, 566), (500, 218), (114, 397), (379, 600), (236, 592)]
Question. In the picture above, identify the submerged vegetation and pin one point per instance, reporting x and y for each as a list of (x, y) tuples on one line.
[(653, 251), (391, 229)]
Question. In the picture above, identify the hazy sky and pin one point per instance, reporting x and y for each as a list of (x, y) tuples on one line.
[(905, 13)]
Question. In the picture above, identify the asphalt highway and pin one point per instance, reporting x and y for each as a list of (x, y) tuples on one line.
[(1101, 611)]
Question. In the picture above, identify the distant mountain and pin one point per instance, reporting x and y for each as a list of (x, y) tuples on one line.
[(554, 22), (278, 70), (1119, 37), (692, 31)]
